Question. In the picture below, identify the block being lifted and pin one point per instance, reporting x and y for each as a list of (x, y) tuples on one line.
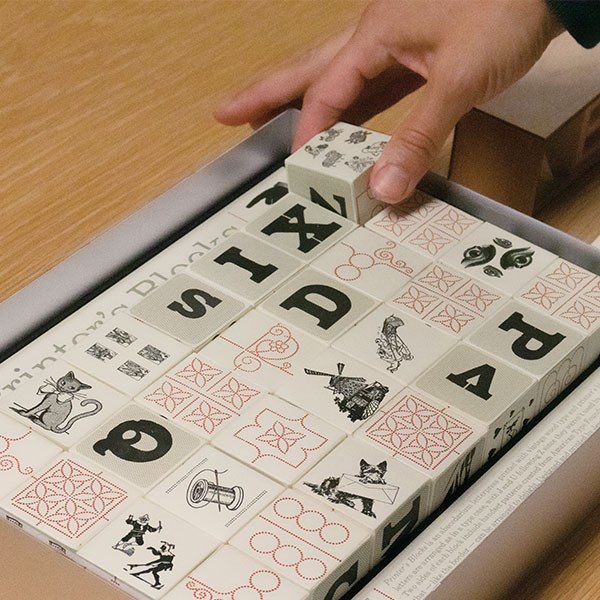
[(333, 169)]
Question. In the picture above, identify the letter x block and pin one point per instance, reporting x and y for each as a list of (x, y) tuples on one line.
[(333, 168), (299, 227)]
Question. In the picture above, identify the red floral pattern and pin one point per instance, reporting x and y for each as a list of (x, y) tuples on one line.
[(419, 432), (69, 498), (199, 394)]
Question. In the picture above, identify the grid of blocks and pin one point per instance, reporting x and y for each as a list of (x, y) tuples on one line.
[(268, 421)]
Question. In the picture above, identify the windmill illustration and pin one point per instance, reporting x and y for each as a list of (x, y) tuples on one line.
[(353, 395)]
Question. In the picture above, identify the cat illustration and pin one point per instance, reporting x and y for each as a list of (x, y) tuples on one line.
[(57, 404), (374, 474)]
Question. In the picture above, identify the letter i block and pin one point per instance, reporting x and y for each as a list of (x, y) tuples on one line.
[(430, 436), (246, 267), (570, 294), (499, 396), (308, 543), (361, 482), (333, 170), (542, 346)]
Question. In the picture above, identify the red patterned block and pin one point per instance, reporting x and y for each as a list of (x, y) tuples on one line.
[(567, 292), (199, 395), (69, 500), (424, 224), (419, 432), (448, 300)]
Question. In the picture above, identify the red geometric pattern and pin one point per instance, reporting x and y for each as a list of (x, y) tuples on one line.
[(387, 258), (560, 377), (260, 584), (568, 292), (419, 432), (200, 394), (8, 462), (275, 348), (69, 498), (286, 439), (423, 223), (447, 299)]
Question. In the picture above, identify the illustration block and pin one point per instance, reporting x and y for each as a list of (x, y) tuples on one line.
[(148, 548), (391, 341), (318, 305), (339, 389), (257, 199), (370, 263), (63, 403), (199, 396), (432, 437), (246, 267), (138, 445), (263, 350), (279, 439), (424, 224), (299, 227), (498, 258), (232, 575), (189, 309), (126, 354), (480, 385), (308, 543), (23, 453), (536, 343), (571, 294), (333, 168), (448, 300), (215, 492), (70, 501), (360, 481)]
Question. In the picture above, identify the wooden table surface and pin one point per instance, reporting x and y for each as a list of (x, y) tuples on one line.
[(103, 106)]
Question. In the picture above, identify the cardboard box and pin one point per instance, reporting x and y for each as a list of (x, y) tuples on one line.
[(529, 142)]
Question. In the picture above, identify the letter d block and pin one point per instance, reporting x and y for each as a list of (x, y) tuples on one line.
[(333, 169)]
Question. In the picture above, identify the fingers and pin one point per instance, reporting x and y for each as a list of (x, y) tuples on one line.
[(280, 89), (414, 145), (339, 86)]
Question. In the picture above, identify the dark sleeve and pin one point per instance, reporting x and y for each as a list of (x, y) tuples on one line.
[(581, 18)]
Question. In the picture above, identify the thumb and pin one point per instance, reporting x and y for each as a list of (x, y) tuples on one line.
[(415, 144)]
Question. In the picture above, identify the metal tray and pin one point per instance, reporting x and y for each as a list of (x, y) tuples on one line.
[(112, 255)]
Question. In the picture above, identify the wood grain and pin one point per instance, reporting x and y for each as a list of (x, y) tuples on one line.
[(103, 106)]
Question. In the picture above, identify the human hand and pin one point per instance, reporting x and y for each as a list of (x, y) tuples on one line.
[(462, 52)]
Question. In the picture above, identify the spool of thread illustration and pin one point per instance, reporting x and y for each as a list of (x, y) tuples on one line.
[(202, 492)]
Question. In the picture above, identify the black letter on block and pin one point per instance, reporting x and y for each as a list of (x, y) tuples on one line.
[(547, 342), (349, 576), (326, 318), (318, 199), (270, 196), (402, 527), (123, 448), (481, 387), (195, 309), (310, 235), (258, 272)]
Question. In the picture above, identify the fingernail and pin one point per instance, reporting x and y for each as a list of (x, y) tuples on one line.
[(390, 184)]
